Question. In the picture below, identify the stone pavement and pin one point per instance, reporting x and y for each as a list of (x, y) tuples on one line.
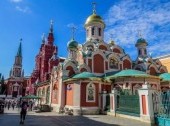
[(11, 118)]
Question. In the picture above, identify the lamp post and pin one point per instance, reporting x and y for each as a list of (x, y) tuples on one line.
[(0, 88)]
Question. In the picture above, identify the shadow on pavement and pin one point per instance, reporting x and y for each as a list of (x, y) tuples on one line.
[(12, 119)]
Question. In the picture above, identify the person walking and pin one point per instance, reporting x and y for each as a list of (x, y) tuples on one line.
[(23, 112), (13, 105)]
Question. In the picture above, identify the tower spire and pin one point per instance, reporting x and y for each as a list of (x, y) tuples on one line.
[(51, 26), (19, 53), (50, 35), (43, 38)]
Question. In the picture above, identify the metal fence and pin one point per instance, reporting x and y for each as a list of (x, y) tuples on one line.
[(161, 104), (128, 104), (161, 107)]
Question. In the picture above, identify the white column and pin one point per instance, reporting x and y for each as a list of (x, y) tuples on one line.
[(146, 104), (113, 101), (104, 94)]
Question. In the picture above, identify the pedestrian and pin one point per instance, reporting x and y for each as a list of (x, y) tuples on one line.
[(9, 104), (23, 112), (13, 105)]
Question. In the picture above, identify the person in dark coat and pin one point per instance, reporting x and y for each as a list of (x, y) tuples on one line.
[(23, 112)]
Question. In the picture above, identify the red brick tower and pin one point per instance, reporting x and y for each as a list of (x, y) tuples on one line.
[(45, 60)]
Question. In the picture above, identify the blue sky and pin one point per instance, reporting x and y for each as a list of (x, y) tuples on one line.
[(29, 19)]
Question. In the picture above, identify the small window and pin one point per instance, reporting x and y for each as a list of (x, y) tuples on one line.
[(139, 52), (90, 92), (145, 51), (99, 31), (93, 31)]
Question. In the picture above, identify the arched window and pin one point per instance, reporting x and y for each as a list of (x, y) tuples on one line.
[(113, 63), (43, 92), (139, 51), (90, 92), (99, 31), (92, 30), (145, 51), (48, 95)]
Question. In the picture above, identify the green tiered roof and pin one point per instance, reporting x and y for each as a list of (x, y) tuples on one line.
[(165, 76), (84, 75), (129, 73)]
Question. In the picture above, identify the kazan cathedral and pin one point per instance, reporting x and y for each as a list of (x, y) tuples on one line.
[(80, 81)]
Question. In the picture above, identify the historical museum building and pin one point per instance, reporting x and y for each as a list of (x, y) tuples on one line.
[(45, 60), (92, 69), (16, 83)]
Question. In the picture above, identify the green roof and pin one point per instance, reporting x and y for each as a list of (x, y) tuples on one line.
[(72, 44), (84, 75), (31, 97), (165, 76), (128, 73), (141, 41), (19, 53)]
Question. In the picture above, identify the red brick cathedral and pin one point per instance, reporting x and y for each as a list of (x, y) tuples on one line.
[(83, 81)]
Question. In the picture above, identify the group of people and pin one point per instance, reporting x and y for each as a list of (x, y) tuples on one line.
[(11, 103), (23, 105)]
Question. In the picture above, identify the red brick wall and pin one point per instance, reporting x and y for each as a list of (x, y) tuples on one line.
[(152, 71), (90, 63), (106, 65), (83, 70), (102, 47), (98, 63), (106, 88), (83, 95), (71, 71), (116, 50), (126, 64)]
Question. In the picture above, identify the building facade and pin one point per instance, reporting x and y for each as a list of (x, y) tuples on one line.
[(16, 83), (81, 83), (46, 58)]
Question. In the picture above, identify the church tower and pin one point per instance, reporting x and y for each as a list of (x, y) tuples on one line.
[(141, 45), (94, 26), (17, 67), (72, 46)]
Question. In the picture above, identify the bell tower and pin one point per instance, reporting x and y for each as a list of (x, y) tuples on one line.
[(94, 26)]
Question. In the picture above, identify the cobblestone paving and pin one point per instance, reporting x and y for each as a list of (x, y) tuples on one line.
[(11, 118)]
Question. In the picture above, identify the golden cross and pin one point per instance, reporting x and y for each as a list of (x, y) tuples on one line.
[(94, 7)]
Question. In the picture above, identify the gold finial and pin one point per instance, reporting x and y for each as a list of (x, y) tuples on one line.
[(139, 33), (111, 36), (73, 29), (94, 7)]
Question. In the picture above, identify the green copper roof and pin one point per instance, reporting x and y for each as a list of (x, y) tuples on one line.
[(128, 73), (72, 44), (141, 41), (165, 76), (84, 75), (19, 53)]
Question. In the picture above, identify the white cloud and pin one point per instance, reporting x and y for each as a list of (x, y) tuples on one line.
[(125, 18), (23, 9), (16, 1)]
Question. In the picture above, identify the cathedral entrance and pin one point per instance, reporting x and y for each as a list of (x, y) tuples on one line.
[(14, 94)]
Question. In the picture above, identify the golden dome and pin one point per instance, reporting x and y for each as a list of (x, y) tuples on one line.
[(94, 18), (112, 42)]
